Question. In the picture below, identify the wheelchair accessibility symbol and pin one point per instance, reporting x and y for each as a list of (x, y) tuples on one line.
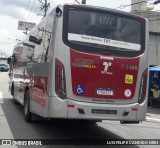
[(80, 89)]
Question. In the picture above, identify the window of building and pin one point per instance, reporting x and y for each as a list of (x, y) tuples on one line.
[(154, 38)]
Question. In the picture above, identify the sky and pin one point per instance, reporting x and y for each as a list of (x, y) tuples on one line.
[(12, 11)]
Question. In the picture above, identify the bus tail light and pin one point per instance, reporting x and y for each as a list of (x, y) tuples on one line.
[(60, 82), (143, 87)]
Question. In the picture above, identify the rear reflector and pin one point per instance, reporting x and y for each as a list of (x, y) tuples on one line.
[(134, 109), (60, 83), (71, 105)]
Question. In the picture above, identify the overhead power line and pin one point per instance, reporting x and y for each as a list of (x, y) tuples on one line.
[(23, 16), (83, 2), (25, 10), (31, 10), (77, 1), (145, 1), (34, 13), (123, 6)]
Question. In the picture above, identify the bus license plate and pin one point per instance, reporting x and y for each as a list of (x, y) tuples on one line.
[(101, 111)]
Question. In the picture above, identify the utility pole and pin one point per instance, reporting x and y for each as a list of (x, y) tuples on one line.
[(156, 2), (44, 6), (83, 1)]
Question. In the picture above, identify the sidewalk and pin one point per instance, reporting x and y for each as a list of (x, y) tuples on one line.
[(153, 115)]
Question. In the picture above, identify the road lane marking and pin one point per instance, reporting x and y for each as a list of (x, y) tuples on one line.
[(1, 98), (5, 130)]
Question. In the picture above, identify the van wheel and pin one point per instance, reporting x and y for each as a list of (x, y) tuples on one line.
[(26, 107)]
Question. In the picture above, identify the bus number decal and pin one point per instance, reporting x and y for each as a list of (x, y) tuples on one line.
[(129, 67)]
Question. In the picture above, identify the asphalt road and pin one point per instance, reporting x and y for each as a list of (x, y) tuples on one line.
[(63, 129)]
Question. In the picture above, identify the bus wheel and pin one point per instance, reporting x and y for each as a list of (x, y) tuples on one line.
[(27, 113), (12, 89), (12, 93), (93, 121), (129, 122)]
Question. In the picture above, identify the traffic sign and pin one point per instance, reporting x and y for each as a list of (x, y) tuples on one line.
[(27, 26)]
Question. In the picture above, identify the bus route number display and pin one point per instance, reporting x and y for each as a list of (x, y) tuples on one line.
[(104, 20)]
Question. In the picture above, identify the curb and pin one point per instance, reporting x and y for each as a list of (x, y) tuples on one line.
[(153, 120), (1, 98)]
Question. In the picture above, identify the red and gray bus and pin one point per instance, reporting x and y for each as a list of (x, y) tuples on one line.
[(88, 63)]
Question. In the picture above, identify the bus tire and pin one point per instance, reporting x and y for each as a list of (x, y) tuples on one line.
[(129, 122), (26, 107), (93, 121), (12, 93), (12, 89)]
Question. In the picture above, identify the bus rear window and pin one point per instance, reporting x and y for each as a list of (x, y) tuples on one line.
[(105, 31)]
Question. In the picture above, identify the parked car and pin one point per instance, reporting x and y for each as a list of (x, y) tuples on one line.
[(3, 67)]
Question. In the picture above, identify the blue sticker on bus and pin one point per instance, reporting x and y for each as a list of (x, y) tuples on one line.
[(80, 89)]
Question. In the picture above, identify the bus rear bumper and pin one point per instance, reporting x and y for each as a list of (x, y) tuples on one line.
[(92, 111)]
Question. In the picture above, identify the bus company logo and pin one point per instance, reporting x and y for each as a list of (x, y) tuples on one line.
[(106, 66), (85, 63)]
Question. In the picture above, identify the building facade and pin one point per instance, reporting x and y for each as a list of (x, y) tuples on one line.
[(140, 7)]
